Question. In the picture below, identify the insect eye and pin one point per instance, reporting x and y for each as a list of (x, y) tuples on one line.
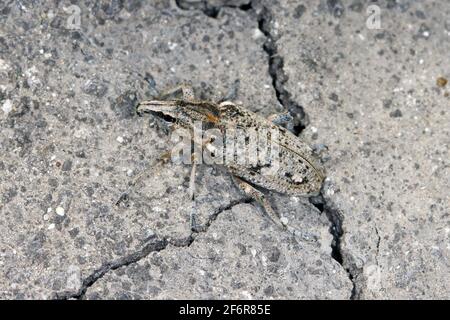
[(168, 118)]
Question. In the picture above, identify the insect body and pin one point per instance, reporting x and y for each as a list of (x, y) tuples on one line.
[(297, 172)]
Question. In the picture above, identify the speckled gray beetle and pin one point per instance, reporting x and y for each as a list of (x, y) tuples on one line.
[(299, 172)]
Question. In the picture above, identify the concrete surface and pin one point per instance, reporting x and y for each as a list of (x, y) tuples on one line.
[(373, 101)]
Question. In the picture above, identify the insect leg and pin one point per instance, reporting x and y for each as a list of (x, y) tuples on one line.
[(232, 92), (161, 160), (192, 179), (280, 118), (261, 198), (185, 89), (193, 213)]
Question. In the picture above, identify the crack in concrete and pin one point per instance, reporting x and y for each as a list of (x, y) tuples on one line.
[(337, 220), (154, 244), (378, 244), (210, 10), (276, 72), (301, 121), (279, 78), (336, 229), (276, 62)]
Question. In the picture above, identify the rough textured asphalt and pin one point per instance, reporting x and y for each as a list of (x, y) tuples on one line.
[(374, 102)]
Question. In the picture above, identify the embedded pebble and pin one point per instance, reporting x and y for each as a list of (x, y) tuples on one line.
[(4, 66), (60, 211), (7, 106)]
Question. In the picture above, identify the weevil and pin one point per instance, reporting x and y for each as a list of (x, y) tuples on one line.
[(299, 172)]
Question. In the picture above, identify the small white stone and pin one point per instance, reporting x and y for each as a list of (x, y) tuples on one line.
[(247, 295), (297, 178), (60, 211), (46, 217), (51, 226), (4, 66), (119, 139), (257, 34), (172, 45), (29, 72), (150, 233), (7, 106), (264, 260), (284, 220)]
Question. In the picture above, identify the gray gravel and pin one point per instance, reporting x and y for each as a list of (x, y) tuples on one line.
[(369, 100)]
